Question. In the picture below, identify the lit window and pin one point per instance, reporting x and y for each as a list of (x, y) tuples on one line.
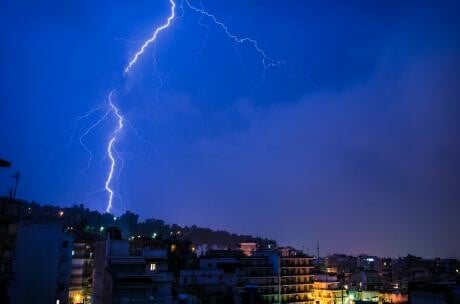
[(77, 298), (173, 247), (153, 266)]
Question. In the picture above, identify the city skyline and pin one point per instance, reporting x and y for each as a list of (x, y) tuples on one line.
[(352, 141)]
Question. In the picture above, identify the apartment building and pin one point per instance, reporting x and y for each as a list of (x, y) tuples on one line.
[(296, 279), (9, 215), (328, 290), (126, 271), (81, 280), (42, 264), (257, 279)]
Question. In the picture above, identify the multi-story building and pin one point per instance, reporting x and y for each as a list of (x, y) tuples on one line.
[(340, 264), (367, 262), (328, 290), (296, 279), (127, 271), (42, 264), (82, 268), (276, 276), (257, 279), (9, 214), (367, 280), (213, 282)]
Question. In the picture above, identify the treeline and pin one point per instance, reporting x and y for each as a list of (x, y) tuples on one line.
[(78, 217)]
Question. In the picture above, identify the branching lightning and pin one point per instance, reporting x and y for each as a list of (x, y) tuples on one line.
[(74, 129), (110, 151), (154, 36), (111, 144), (266, 60), (82, 143), (205, 38)]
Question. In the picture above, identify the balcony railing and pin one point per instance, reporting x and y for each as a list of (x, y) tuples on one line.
[(154, 276)]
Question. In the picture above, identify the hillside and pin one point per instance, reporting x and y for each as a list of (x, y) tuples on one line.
[(80, 218)]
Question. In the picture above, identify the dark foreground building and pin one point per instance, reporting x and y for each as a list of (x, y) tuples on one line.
[(9, 214), (124, 273), (42, 264)]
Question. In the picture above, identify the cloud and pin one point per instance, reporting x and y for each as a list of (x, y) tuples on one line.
[(360, 166)]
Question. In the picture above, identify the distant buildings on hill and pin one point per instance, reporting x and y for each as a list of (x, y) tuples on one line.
[(61, 257)]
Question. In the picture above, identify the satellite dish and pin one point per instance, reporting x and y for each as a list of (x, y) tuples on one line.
[(4, 163)]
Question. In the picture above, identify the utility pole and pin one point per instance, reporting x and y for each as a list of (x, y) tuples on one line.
[(16, 177)]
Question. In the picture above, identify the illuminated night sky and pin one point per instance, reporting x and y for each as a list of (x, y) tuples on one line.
[(353, 140)]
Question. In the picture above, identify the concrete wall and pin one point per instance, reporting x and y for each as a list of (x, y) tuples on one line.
[(42, 265)]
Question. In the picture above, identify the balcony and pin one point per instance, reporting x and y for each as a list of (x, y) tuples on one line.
[(296, 266), (296, 284), (154, 276), (145, 301)]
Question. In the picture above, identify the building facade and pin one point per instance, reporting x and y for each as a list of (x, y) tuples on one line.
[(9, 214), (42, 264), (328, 290), (296, 279), (125, 272), (81, 280)]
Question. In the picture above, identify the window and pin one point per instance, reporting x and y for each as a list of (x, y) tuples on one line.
[(153, 266)]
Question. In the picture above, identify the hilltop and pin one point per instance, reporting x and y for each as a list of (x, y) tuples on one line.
[(79, 217)]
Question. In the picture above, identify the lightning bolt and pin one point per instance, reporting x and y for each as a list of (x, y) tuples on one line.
[(111, 144), (88, 130), (154, 36), (74, 129), (110, 151), (267, 61), (112, 154), (205, 38)]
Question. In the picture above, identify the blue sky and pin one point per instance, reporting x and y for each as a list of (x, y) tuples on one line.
[(354, 144)]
